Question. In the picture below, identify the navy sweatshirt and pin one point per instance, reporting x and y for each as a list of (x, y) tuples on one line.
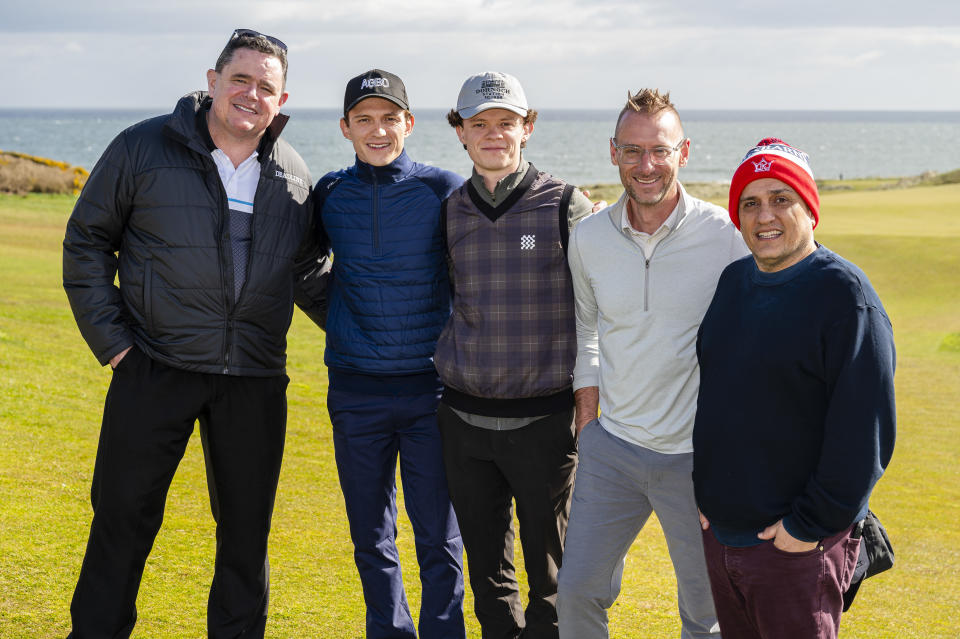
[(795, 416)]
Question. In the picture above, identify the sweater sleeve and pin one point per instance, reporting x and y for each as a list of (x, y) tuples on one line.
[(860, 426), (93, 237), (586, 372)]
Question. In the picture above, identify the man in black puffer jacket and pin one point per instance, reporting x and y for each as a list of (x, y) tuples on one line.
[(205, 213)]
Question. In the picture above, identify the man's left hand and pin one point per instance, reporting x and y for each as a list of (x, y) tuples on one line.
[(782, 540)]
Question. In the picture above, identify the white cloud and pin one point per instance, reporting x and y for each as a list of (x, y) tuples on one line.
[(573, 53)]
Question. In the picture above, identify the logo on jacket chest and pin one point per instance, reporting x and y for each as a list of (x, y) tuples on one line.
[(296, 179)]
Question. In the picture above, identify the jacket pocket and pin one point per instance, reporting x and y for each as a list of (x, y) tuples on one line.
[(148, 295)]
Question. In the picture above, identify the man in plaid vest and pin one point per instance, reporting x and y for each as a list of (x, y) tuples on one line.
[(506, 358)]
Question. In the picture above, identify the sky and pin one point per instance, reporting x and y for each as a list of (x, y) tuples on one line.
[(738, 54)]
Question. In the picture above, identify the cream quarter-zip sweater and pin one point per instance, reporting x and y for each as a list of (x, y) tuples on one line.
[(637, 318)]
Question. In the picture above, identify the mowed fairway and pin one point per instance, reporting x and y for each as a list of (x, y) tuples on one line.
[(51, 394)]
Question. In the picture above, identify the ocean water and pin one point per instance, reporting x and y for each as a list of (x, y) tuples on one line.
[(572, 144)]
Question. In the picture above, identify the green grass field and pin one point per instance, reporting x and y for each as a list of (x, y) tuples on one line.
[(51, 393)]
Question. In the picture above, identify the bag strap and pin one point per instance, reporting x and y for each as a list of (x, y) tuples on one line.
[(565, 215)]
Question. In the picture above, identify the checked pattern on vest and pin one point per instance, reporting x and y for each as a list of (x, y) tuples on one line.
[(512, 333)]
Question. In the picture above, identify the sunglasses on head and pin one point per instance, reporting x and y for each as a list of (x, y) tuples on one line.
[(239, 33)]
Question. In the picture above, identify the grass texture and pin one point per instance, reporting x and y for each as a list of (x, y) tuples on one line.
[(51, 394)]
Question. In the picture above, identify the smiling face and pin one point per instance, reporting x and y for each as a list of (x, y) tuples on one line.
[(651, 186), (377, 128), (776, 224), (493, 139), (247, 94)]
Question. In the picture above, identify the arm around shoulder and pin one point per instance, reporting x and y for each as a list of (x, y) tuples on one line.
[(580, 207), (313, 264)]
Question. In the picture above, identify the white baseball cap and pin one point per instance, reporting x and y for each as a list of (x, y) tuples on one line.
[(491, 90)]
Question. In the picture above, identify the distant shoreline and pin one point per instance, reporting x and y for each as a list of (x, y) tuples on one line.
[(21, 173), (718, 190), (723, 115)]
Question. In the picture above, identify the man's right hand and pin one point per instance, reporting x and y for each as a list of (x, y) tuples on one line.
[(587, 400), (115, 360)]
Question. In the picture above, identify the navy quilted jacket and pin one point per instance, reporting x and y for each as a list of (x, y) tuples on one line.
[(389, 293)]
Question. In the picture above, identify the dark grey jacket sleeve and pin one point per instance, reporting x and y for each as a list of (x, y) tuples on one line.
[(94, 235)]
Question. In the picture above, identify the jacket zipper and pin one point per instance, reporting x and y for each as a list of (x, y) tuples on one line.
[(646, 284), (646, 275), (376, 216), (223, 284)]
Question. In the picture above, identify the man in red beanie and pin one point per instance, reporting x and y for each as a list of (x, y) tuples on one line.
[(795, 416)]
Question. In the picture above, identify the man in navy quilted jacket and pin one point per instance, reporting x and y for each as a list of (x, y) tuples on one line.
[(388, 301)]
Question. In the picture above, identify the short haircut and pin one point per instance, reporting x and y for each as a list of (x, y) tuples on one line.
[(256, 43), (647, 102), (455, 120)]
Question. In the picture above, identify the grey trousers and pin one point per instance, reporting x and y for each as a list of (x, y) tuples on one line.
[(618, 485)]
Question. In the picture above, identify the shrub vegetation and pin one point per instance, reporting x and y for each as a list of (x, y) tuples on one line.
[(21, 173)]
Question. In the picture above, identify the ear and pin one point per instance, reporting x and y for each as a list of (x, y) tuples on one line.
[(409, 125), (613, 154), (527, 130), (345, 129), (211, 80), (283, 99), (460, 136), (685, 152)]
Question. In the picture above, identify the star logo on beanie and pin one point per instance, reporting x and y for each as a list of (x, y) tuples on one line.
[(762, 165)]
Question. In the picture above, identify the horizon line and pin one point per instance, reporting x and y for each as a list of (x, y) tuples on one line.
[(166, 108)]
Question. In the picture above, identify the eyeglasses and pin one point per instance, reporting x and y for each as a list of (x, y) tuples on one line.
[(631, 154), (240, 33)]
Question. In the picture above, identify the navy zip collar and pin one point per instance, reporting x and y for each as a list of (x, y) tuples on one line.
[(396, 171)]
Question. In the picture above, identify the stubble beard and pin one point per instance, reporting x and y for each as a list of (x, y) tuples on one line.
[(670, 180)]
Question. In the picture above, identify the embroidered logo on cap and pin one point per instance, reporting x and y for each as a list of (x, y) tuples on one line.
[(528, 242), (494, 89), (373, 83), (762, 165)]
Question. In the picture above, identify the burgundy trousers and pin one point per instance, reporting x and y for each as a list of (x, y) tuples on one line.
[(761, 592)]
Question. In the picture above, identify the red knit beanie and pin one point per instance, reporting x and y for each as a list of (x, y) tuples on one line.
[(773, 158)]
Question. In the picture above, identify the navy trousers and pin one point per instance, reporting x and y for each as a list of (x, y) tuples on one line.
[(369, 434), (148, 418)]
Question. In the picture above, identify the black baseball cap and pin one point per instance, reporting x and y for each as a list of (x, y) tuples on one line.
[(375, 83)]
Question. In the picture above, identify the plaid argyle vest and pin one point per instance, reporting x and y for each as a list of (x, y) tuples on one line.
[(512, 333)]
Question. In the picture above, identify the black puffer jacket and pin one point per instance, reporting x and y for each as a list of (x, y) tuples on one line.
[(154, 205)]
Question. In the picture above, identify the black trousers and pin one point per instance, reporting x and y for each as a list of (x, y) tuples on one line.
[(486, 471), (148, 418)]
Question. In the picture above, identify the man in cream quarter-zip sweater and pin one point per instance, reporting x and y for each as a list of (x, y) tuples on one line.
[(644, 271)]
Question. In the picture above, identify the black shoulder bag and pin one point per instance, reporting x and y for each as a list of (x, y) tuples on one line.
[(876, 554)]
